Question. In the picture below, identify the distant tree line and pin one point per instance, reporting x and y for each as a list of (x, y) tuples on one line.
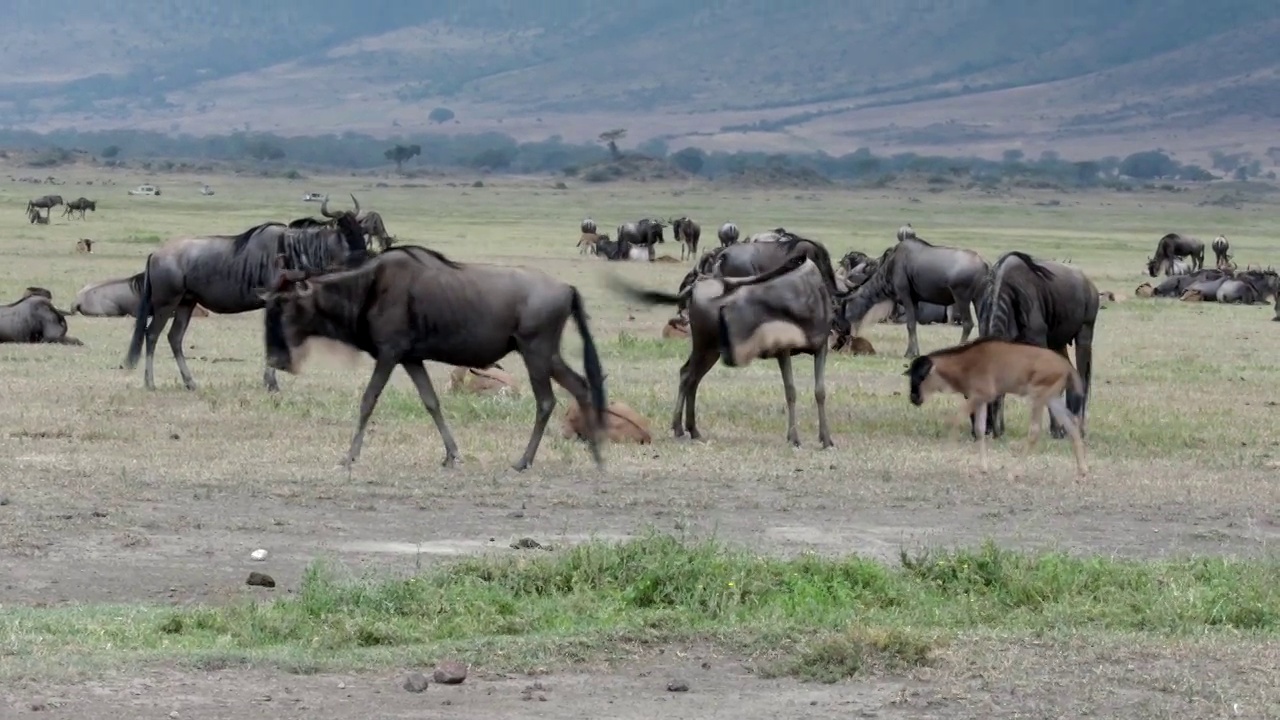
[(501, 153)]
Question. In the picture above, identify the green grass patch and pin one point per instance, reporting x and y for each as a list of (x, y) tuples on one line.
[(813, 617)]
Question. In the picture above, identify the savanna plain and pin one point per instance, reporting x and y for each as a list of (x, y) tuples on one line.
[(882, 578)]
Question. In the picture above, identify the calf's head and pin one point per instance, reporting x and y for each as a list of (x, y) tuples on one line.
[(924, 381)]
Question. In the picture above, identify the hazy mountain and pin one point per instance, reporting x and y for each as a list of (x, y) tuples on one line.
[(947, 75)]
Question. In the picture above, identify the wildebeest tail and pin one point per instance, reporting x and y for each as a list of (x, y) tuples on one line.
[(590, 359), (649, 297), (140, 321)]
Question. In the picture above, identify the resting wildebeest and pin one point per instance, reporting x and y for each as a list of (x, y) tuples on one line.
[(46, 203), (728, 234), (914, 271), (1222, 253), (79, 205), (1205, 281), (687, 233), (410, 304), (783, 312), (117, 297), (1249, 287), (224, 273), (34, 319), (1173, 246), (1045, 303), (36, 218)]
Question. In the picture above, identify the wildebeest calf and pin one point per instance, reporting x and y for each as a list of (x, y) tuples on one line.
[(410, 304), (776, 314)]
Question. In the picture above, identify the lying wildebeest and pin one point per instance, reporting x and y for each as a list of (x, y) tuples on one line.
[(927, 313), (117, 297), (410, 304), (84, 245), (46, 203), (623, 250), (687, 232), (1222, 253), (915, 271), (588, 226), (783, 312), (1173, 246), (990, 367), (224, 273), (79, 205), (34, 319), (728, 234), (1250, 287), (1205, 281), (1048, 304), (34, 216)]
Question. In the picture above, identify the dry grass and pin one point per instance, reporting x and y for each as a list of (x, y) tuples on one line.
[(120, 495)]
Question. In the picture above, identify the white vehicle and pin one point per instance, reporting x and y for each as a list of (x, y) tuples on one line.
[(145, 190), (206, 190), (314, 197)]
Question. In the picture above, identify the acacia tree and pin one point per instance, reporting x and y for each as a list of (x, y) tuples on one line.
[(611, 138), (400, 153)]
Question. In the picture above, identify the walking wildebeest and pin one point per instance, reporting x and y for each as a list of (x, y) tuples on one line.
[(1173, 246), (117, 297), (987, 369), (79, 205), (687, 233), (34, 319), (46, 203), (1222, 253), (1249, 287), (1206, 282), (1045, 303), (224, 274), (914, 271), (728, 234), (410, 304), (779, 313)]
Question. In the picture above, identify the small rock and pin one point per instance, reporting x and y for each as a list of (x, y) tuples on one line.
[(99, 513), (526, 543), (174, 436), (258, 554), (38, 706), (415, 682), (4, 500), (677, 686), (450, 672), (260, 580), (706, 665)]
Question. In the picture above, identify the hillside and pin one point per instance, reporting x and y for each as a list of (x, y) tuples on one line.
[(945, 76)]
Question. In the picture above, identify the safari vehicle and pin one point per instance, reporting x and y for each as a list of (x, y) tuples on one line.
[(313, 197), (145, 190)]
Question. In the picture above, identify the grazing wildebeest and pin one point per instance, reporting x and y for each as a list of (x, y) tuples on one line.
[(410, 304), (914, 271), (79, 205), (588, 227), (34, 319), (1173, 246), (728, 234), (224, 274), (374, 229), (779, 313), (36, 218), (687, 233), (46, 203), (117, 297), (1045, 303), (1222, 253), (1249, 287)]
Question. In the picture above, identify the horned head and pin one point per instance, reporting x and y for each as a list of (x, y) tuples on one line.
[(324, 208)]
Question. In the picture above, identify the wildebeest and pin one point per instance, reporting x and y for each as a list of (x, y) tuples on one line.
[(642, 232), (225, 273), (915, 271), (746, 259), (1048, 304), (783, 312), (84, 245), (1222, 253), (34, 319), (728, 234), (990, 367), (588, 226), (1173, 246), (774, 235), (687, 232), (117, 297), (1249, 287), (410, 304), (623, 250), (906, 231), (1205, 281), (46, 203), (34, 216), (79, 205), (374, 229)]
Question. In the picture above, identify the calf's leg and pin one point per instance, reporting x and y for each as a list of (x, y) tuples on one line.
[(1058, 409), (381, 373), (422, 381)]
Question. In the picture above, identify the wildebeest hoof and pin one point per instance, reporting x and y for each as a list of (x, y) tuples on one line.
[(827, 444), (521, 466), (451, 461)]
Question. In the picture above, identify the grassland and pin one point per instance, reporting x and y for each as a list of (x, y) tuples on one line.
[(737, 564)]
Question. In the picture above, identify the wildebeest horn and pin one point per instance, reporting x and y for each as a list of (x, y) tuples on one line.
[(355, 202), (324, 209)]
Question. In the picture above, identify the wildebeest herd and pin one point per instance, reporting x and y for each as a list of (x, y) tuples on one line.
[(769, 295)]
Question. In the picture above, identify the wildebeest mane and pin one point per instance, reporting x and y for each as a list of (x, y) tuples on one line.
[(1004, 310), (414, 251), (241, 241), (309, 222)]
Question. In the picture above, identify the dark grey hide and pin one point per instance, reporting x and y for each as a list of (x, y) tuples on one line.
[(687, 233), (226, 274), (915, 271), (79, 205), (110, 298), (1045, 303), (1174, 246), (1250, 287), (34, 319), (728, 234)]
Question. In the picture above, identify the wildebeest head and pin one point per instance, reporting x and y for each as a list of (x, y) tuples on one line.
[(291, 317)]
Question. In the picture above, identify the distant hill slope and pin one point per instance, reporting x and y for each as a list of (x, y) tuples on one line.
[(937, 75)]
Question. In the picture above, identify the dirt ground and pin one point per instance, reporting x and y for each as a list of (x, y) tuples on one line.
[(111, 494)]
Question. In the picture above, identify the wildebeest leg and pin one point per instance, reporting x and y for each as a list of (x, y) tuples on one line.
[(1084, 366), (1059, 411), (699, 364), (422, 381), (381, 373), (539, 367), (789, 392), (820, 395), (269, 379), (578, 388), (181, 318), (1056, 430), (910, 308), (963, 306), (980, 419), (159, 316)]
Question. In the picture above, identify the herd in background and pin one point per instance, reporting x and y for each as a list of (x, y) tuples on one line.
[(1181, 260), (771, 295)]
